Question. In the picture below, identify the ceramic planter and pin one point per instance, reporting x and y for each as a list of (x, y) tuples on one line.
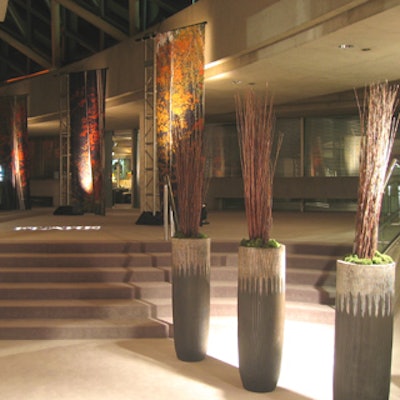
[(261, 316), (191, 297), (363, 331)]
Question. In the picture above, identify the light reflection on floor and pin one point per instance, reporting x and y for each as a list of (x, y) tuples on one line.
[(307, 359), (58, 228)]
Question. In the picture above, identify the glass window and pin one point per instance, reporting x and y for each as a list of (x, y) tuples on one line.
[(223, 151), (332, 146), (44, 154), (289, 160)]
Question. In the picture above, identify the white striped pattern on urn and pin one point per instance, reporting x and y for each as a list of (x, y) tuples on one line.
[(191, 256), (365, 289), (262, 269)]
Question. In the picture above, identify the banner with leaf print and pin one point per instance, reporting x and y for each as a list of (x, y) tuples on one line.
[(87, 117), (14, 159), (180, 88)]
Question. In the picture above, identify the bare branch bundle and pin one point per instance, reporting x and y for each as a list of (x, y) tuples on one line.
[(255, 120), (189, 163), (378, 131)]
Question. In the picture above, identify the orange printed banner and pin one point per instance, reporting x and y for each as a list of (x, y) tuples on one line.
[(14, 159), (180, 88), (87, 117)]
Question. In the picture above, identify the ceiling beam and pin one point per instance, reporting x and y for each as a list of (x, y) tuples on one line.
[(165, 6), (93, 19), (17, 19), (132, 17), (3, 10), (8, 63), (27, 51), (55, 34)]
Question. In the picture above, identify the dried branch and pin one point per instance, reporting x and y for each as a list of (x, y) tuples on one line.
[(189, 166), (255, 120), (378, 131)]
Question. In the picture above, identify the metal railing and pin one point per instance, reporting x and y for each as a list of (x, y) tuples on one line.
[(389, 226)]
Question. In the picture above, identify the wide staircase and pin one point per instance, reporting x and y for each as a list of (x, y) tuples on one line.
[(123, 290)]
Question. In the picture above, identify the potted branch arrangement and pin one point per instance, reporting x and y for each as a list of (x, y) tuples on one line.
[(190, 249), (366, 279), (261, 260)]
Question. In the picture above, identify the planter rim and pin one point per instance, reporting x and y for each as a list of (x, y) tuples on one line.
[(352, 264), (365, 289), (191, 238), (262, 248)]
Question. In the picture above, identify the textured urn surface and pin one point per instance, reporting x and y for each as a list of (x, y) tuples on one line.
[(363, 331), (191, 297), (261, 316)]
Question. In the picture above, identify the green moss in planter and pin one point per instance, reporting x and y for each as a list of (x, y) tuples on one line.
[(272, 243), (377, 259)]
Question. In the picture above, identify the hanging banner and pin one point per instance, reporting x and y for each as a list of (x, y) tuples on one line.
[(87, 118), (14, 168), (180, 88)]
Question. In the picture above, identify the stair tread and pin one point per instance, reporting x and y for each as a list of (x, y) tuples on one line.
[(75, 270), (52, 254), (104, 273), (152, 284), (310, 306), (70, 323), (312, 255), (233, 300), (310, 271), (62, 285), (65, 269), (309, 287), (72, 303)]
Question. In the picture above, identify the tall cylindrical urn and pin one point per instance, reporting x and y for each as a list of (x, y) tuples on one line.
[(191, 297), (363, 331), (261, 316)]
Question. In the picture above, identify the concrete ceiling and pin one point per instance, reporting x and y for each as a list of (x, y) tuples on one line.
[(318, 72), (317, 68), (315, 71)]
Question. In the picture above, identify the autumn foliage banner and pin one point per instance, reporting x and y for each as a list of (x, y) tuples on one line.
[(14, 160), (180, 88), (87, 117)]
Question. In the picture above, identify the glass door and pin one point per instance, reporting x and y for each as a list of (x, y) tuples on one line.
[(122, 168)]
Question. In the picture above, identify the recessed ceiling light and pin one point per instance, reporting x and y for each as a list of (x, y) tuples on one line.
[(345, 46)]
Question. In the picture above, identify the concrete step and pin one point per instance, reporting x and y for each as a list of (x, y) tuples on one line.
[(63, 274), (83, 274), (70, 290), (80, 309), (227, 307), (149, 290), (310, 312), (309, 294), (311, 261), (310, 277), (74, 247), (62, 290), (161, 259), (224, 289), (226, 273), (321, 249), (293, 275), (39, 329), (31, 260)]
